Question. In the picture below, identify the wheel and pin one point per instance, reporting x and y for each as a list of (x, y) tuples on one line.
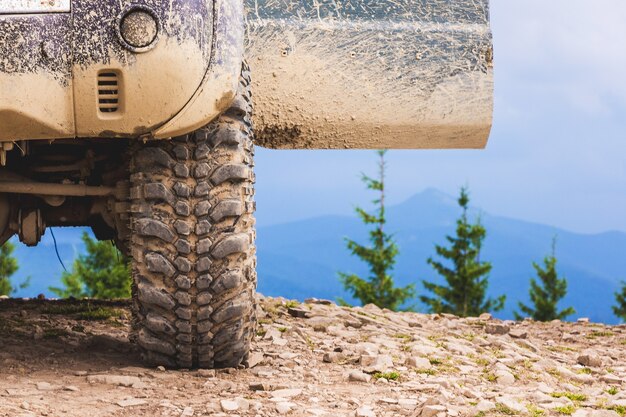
[(192, 243)]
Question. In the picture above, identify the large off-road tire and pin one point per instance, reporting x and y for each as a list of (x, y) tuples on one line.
[(192, 243)]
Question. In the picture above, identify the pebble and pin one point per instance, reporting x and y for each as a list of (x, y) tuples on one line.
[(496, 328)]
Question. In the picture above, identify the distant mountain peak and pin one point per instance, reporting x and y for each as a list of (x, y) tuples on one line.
[(431, 196)]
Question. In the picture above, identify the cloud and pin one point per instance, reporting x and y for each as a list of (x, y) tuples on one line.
[(575, 48)]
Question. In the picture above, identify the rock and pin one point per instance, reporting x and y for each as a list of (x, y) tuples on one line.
[(299, 313), (430, 411), (122, 380), (485, 317), (583, 320), (419, 362), (38, 333), (44, 386), (611, 379), (512, 403), (355, 324), (286, 393), (518, 333), (318, 301), (131, 402), (590, 360), (255, 358), (206, 373), (187, 412), (505, 377), (366, 348), (358, 376), (258, 386), (496, 328), (333, 357), (236, 404), (284, 407), (376, 363), (71, 388), (229, 405), (602, 413), (407, 403), (364, 411), (484, 406), (160, 368)]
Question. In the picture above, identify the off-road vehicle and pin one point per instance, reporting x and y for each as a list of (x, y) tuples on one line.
[(134, 117)]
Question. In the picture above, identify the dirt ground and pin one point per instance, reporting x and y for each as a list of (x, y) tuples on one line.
[(73, 358)]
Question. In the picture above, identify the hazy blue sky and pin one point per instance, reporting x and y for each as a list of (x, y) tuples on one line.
[(557, 152)]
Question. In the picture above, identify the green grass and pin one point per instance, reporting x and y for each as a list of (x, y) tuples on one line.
[(54, 333), (612, 391), (82, 311), (100, 313), (534, 411), (619, 409), (596, 333), (282, 329), (66, 309), (566, 409), (482, 361), (390, 376), (490, 376), (292, 304), (570, 395), (503, 409), (426, 371), (435, 361), (585, 370)]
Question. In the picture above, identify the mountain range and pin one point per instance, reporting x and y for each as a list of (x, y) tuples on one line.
[(301, 259)]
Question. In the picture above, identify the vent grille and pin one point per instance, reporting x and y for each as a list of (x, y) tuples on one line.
[(108, 92)]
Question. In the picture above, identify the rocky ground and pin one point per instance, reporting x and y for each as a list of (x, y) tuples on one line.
[(314, 359)]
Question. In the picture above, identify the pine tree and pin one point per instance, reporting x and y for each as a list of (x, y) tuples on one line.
[(380, 256), (102, 273), (620, 308), (8, 267), (466, 275), (546, 295)]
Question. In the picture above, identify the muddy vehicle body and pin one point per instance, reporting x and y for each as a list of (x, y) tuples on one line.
[(135, 118)]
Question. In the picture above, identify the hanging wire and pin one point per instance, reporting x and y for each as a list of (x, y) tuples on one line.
[(56, 249)]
